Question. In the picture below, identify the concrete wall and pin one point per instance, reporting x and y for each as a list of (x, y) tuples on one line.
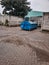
[(37, 19), (45, 23), (12, 19)]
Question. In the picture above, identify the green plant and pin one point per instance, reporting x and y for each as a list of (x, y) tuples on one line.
[(15, 7)]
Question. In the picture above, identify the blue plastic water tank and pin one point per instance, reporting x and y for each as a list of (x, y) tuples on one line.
[(28, 25)]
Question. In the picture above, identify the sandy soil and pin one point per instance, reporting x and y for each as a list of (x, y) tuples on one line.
[(19, 47)]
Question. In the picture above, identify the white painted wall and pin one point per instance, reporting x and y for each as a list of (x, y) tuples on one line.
[(12, 19), (45, 23)]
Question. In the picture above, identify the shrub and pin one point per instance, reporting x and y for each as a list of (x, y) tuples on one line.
[(6, 23)]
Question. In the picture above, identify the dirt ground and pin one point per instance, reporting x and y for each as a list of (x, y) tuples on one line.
[(19, 47)]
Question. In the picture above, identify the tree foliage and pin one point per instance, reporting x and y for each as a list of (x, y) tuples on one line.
[(15, 7)]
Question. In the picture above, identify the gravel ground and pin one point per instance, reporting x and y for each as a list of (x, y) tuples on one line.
[(19, 47)]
